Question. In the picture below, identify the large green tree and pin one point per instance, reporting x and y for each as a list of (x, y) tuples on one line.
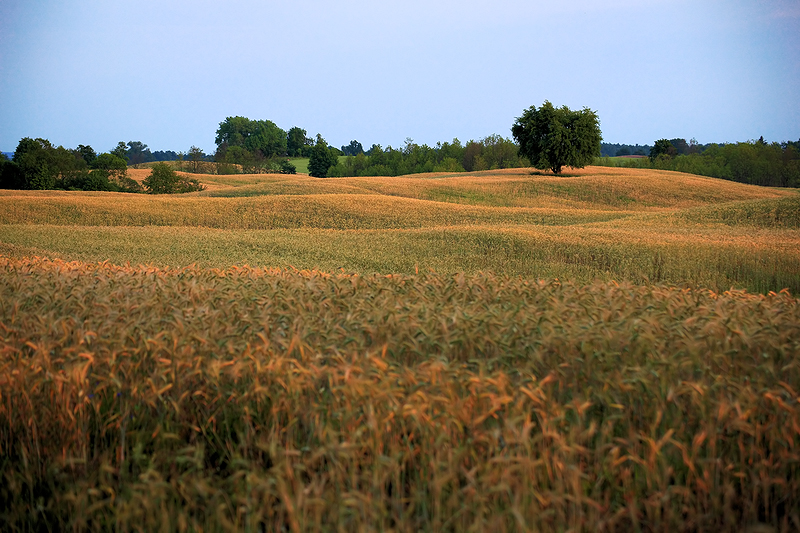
[(121, 151), (259, 137), (556, 137), (138, 153)]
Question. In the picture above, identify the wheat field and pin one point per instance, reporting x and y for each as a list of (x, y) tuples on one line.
[(610, 350), (596, 223)]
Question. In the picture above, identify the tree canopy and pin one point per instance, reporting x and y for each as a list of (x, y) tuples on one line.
[(552, 138), (259, 137), (662, 147), (298, 144), (321, 159), (354, 148)]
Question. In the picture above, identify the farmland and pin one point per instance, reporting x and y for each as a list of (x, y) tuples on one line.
[(609, 350), (609, 224)]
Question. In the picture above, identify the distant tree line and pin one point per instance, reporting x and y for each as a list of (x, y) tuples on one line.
[(39, 165), (620, 150), (252, 146), (490, 153), (753, 162), (260, 146)]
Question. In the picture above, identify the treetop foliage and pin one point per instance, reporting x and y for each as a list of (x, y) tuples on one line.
[(552, 138), (321, 159), (37, 164), (490, 153), (354, 148), (298, 144), (256, 136)]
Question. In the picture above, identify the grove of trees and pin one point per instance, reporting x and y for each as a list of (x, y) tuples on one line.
[(490, 153), (753, 162), (38, 165), (321, 159), (254, 145)]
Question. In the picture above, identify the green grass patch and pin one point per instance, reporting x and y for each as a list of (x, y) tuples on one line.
[(300, 163)]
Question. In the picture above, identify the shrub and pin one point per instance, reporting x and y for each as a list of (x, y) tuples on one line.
[(287, 167), (164, 180)]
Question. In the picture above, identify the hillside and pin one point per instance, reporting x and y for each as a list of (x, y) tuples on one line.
[(598, 222)]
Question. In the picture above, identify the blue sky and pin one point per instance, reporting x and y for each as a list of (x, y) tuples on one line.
[(167, 72)]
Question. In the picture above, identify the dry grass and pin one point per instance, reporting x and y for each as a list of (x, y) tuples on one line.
[(606, 223)]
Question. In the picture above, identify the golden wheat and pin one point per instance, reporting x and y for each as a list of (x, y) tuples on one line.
[(188, 399)]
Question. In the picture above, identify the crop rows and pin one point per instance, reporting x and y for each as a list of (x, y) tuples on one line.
[(139, 398)]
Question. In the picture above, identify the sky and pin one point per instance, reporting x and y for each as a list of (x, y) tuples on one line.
[(167, 72)]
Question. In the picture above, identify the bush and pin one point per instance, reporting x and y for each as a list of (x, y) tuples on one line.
[(287, 167), (164, 180)]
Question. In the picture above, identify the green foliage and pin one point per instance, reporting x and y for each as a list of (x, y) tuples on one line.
[(297, 143), (754, 163), (42, 166), (552, 138), (448, 164), (491, 153), (121, 151), (10, 175), (111, 162), (195, 160), (254, 145), (287, 167), (354, 148), (321, 159), (138, 153), (164, 180), (662, 147), (87, 153), (262, 138)]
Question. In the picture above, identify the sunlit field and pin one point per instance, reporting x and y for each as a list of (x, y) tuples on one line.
[(596, 223), (608, 350)]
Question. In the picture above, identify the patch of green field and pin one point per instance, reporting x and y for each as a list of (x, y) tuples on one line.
[(300, 163)]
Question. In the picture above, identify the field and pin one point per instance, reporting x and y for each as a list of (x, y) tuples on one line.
[(609, 350), (599, 223)]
